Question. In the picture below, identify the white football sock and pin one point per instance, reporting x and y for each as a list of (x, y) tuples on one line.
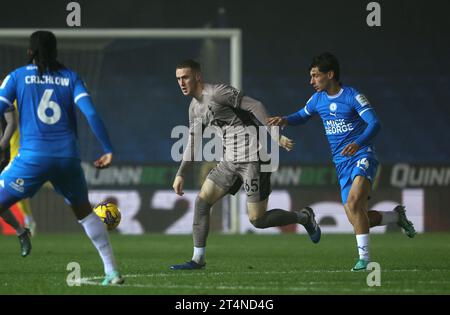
[(96, 231), (199, 255), (363, 246), (388, 217)]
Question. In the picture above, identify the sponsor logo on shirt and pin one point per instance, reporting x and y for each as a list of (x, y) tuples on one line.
[(337, 127)]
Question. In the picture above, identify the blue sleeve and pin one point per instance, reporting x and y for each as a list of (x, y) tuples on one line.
[(298, 118), (304, 114), (95, 122), (79, 89), (372, 129), (7, 93), (362, 105)]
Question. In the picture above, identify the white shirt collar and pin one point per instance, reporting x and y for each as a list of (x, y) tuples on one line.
[(337, 95)]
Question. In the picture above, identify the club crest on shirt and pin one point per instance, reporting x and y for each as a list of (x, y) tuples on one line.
[(333, 108), (234, 97)]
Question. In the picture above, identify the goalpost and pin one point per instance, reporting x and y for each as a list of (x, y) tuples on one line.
[(235, 51), (234, 35)]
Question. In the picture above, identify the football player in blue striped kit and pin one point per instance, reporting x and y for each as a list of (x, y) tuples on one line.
[(350, 125)]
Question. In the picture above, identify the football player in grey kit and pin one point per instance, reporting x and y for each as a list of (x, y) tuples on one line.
[(231, 112)]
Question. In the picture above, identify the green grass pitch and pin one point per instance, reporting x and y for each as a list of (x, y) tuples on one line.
[(236, 264)]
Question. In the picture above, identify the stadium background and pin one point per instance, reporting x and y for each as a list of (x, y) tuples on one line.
[(402, 67)]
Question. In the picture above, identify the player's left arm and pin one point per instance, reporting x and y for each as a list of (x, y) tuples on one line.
[(97, 127), (7, 92), (84, 103), (367, 113), (260, 112), (230, 96)]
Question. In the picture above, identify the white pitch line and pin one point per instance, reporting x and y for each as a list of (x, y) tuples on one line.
[(220, 273), (311, 286)]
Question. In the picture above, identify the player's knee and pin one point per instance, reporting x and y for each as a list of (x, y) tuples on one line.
[(208, 197), (253, 216), (354, 204), (257, 219), (202, 194)]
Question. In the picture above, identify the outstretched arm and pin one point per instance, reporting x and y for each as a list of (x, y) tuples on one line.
[(296, 118), (259, 111), (256, 108)]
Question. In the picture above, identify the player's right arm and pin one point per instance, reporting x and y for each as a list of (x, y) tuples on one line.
[(84, 103), (11, 126), (188, 154), (297, 118), (7, 93)]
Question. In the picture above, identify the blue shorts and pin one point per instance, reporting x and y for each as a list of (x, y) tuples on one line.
[(23, 177), (364, 165)]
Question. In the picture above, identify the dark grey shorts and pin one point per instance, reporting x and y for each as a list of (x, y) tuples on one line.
[(230, 177)]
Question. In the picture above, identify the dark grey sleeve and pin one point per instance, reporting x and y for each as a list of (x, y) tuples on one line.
[(227, 95), (259, 111), (11, 125), (256, 108), (185, 166), (188, 159), (188, 154)]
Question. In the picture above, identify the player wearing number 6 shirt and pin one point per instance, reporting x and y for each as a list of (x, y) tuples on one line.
[(233, 114), (47, 96), (350, 125)]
